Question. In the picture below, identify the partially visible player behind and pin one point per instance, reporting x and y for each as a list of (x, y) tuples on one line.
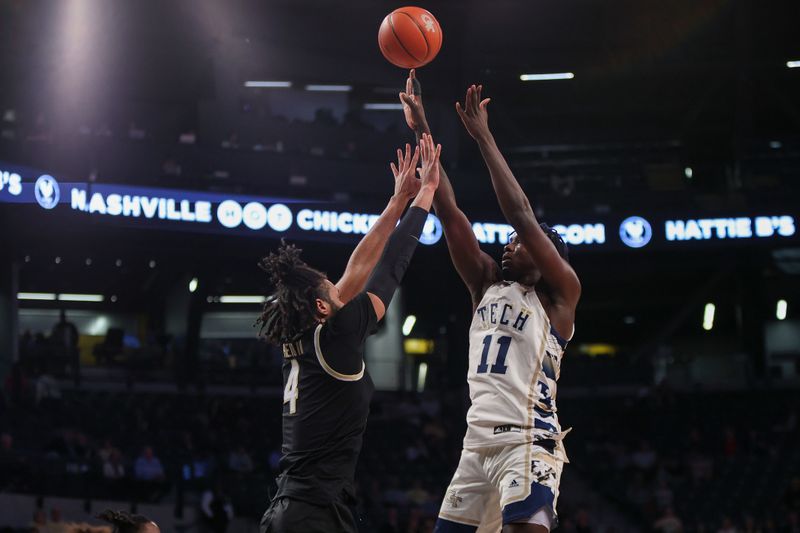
[(322, 328), (510, 467)]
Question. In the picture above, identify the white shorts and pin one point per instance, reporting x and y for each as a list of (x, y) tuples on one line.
[(502, 485)]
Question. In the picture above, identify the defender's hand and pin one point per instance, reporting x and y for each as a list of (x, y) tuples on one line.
[(429, 173), (406, 184)]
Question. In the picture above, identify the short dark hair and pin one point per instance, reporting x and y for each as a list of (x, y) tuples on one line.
[(558, 242), (291, 310), (123, 522), (554, 237)]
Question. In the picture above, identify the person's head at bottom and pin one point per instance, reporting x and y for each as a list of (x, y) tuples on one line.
[(303, 296), (122, 522)]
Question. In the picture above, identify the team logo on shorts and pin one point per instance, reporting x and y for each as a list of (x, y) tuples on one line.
[(543, 473), (453, 499)]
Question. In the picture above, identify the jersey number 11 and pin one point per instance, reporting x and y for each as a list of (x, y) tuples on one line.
[(499, 366)]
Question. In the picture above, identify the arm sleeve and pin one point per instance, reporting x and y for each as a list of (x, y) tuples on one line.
[(393, 264), (340, 345)]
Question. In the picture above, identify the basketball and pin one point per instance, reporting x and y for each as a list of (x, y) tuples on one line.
[(410, 37)]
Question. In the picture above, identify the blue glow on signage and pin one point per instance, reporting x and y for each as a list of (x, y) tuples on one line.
[(151, 207), (488, 233), (256, 214), (432, 231), (335, 221), (47, 191), (576, 234), (279, 217), (635, 232), (704, 229), (11, 182)]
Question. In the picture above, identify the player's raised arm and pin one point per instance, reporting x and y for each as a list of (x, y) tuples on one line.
[(364, 258), (516, 207), (475, 267), (393, 264)]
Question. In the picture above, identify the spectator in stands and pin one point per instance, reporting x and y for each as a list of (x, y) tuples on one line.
[(17, 385), (64, 333), (148, 467), (645, 457), (39, 523), (668, 523), (583, 522), (240, 461), (663, 495), (217, 509), (48, 391), (637, 492), (64, 339), (274, 460), (727, 526), (56, 524), (417, 494), (729, 444), (792, 495), (80, 454), (793, 522), (123, 522), (104, 453), (700, 467), (113, 466), (393, 495)]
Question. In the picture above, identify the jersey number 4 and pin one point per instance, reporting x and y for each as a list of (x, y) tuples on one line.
[(499, 366), (290, 390)]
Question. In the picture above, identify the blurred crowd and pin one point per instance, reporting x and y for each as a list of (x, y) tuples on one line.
[(706, 462)]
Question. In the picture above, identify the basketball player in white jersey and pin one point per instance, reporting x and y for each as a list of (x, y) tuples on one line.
[(524, 311)]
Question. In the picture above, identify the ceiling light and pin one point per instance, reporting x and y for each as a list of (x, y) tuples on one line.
[(408, 324), (708, 316), (36, 296), (80, 298), (382, 107), (241, 299), (267, 84), (547, 76), (330, 88)]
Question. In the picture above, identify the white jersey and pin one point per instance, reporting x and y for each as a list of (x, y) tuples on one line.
[(514, 363)]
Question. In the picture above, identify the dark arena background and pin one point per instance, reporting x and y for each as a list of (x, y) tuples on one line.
[(152, 152)]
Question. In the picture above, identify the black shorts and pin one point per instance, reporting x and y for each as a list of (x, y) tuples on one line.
[(286, 515)]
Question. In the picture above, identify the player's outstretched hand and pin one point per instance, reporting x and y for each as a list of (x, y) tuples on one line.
[(474, 114), (429, 173), (412, 104), (406, 184)]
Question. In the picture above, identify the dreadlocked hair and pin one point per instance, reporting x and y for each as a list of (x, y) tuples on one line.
[(123, 522), (291, 310), (557, 241)]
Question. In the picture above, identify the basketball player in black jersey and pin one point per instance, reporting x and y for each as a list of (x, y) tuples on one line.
[(322, 328)]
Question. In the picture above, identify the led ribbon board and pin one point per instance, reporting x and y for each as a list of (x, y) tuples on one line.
[(310, 220)]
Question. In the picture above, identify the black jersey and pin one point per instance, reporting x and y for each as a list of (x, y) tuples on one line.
[(326, 398)]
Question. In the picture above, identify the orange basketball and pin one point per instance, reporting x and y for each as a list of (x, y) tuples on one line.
[(410, 37)]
